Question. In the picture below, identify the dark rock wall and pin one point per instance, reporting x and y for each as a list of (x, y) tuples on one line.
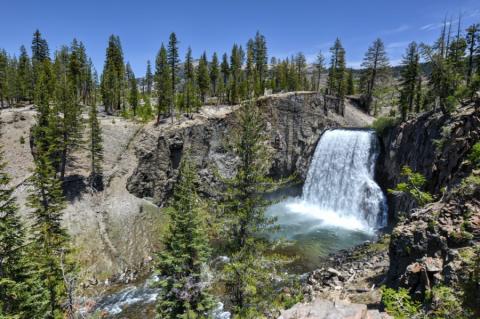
[(434, 145), (294, 123)]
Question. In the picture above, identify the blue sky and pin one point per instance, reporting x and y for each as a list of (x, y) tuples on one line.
[(214, 25)]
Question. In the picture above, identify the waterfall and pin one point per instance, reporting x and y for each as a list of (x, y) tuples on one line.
[(340, 180)]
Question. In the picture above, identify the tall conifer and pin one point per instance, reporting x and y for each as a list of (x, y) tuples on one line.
[(182, 262)]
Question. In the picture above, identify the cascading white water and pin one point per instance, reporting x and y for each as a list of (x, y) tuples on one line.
[(340, 189)]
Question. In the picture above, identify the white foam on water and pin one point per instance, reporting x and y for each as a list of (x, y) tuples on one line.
[(340, 189)]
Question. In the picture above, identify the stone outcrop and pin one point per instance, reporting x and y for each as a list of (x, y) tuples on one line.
[(352, 275), (293, 125), (324, 309), (432, 144), (435, 244)]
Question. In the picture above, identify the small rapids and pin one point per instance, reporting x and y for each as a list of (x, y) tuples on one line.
[(135, 301), (340, 206)]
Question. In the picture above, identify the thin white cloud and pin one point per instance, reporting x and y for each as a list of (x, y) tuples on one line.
[(399, 29), (397, 45), (474, 13)]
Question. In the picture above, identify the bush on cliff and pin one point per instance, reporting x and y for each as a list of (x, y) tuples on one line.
[(413, 187), (383, 123)]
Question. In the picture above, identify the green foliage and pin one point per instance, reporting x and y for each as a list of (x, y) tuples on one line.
[(49, 238), (163, 84), (95, 146), (15, 291), (375, 67), (113, 76), (248, 276), (350, 83), (399, 304), (410, 76), (203, 77), (471, 293), (337, 84), (133, 96), (382, 124), (182, 262), (474, 156), (66, 118), (148, 79), (319, 70), (145, 111), (214, 73), (22, 140), (413, 186), (445, 304)]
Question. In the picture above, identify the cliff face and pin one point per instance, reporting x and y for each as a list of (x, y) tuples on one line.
[(435, 244), (294, 123), (434, 145)]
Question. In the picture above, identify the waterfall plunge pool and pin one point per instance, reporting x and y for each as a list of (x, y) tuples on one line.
[(340, 205)]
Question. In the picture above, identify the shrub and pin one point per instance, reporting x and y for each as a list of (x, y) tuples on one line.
[(399, 304), (413, 186), (383, 123), (445, 304), (22, 140), (451, 104), (474, 156)]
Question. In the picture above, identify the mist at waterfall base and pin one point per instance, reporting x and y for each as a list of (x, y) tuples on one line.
[(341, 206)]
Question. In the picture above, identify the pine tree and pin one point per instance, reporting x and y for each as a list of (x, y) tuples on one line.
[(375, 66), (350, 83), (24, 76), (162, 84), (261, 63), (409, 78), (189, 98), (149, 79), (13, 275), (247, 280), (203, 77), (12, 90), (235, 72), (133, 88), (250, 71), (40, 51), (66, 121), (319, 69), (96, 149), (300, 72), (273, 84), (443, 78), (337, 75), (113, 77), (173, 62), (225, 68), (473, 39), (225, 71), (181, 263), (3, 76), (49, 238), (214, 73)]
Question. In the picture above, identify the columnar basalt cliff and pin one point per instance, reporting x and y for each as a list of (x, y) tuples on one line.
[(434, 245), (432, 144), (294, 123)]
